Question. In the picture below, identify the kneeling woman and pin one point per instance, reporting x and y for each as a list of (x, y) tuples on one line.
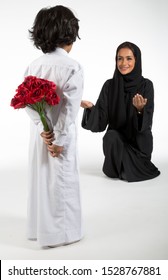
[(125, 107)]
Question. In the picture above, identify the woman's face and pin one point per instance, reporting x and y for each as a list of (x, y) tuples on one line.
[(125, 61)]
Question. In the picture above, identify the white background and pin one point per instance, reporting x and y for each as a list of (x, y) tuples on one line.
[(103, 26)]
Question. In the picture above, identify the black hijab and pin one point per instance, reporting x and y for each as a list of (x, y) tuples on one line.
[(122, 90)]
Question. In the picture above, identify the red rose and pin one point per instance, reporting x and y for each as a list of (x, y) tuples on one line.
[(17, 103), (52, 98), (37, 95), (31, 82)]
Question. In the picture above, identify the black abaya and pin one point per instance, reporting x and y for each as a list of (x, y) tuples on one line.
[(128, 141)]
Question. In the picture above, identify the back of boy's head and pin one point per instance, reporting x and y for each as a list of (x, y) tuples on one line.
[(54, 27)]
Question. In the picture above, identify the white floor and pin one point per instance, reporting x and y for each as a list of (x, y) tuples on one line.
[(121, 220)]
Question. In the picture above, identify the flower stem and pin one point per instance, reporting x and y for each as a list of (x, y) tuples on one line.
[(44, 121)]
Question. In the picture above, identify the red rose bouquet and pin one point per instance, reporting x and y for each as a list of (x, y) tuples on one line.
[(36, 93)]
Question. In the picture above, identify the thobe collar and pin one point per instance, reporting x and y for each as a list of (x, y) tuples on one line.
[(60, 51)]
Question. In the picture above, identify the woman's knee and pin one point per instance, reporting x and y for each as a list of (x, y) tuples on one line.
[(111, 136)]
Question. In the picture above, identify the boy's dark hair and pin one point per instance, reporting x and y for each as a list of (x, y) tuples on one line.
[(53, 27)]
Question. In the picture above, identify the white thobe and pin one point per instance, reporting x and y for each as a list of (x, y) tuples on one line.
[(54, 205)]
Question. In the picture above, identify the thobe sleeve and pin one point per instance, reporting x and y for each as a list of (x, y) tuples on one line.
[(96, 118), (72, 95)]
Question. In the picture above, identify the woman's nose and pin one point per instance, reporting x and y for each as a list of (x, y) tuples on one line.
[(124, 62)]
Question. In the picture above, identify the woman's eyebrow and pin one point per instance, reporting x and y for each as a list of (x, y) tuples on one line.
[(125, 56)]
